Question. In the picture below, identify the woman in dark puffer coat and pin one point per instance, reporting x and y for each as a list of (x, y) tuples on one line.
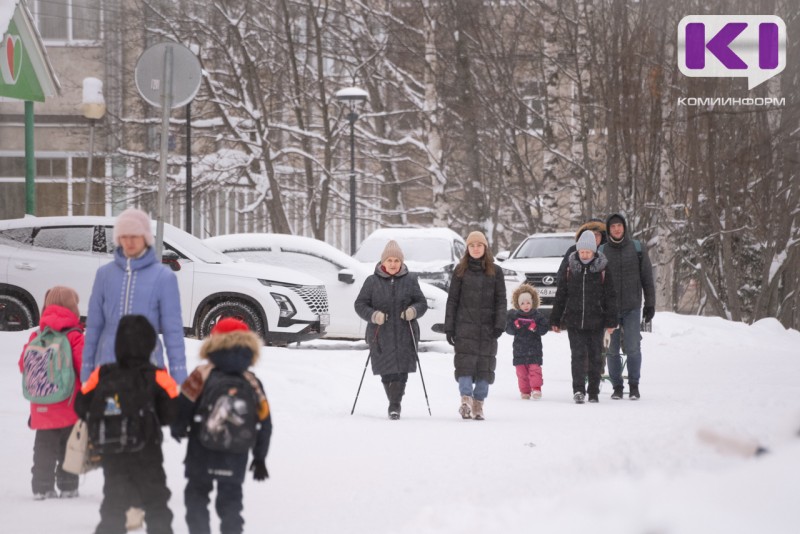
[(475, 318), (390, 301)]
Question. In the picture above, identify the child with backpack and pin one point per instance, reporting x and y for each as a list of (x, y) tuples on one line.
[(224, 411), (586, 306), (527, 324), (50, 364), (124, 405)]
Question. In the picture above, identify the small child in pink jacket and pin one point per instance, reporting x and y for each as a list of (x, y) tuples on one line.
[(53, 422)]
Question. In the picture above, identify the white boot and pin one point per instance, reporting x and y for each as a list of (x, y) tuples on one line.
[(477, 410), (134, 519), (466, 407)]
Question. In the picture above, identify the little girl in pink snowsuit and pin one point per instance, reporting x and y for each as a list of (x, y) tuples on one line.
[(527, 324)]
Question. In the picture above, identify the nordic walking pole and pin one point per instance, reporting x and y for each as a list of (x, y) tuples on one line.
[(416, 353), (359, 384)]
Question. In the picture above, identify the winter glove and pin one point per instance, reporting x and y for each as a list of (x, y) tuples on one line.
[(378, 317), (409, 314), (532, 325), (606, 339), (451, 338), (649, 313), (517, 324), (259, 469), (498, 332), (177, 432)]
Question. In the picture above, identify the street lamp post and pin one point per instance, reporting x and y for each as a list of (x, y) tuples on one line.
[(93, 107), (354, 97)]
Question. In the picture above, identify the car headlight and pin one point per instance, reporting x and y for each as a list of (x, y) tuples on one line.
[(512, 276), (285, 305)]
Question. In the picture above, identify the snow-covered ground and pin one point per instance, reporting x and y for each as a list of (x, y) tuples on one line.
[(551, 466)]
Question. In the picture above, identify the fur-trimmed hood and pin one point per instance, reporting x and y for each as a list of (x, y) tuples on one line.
[(525, 288), (594, 225), (230, 340)]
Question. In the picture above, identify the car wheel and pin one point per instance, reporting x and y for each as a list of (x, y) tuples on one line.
[(15, 315), (231, 308)]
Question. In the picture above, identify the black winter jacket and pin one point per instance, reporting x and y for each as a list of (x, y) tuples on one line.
[(629, 278), (476, 317), (205, 463), (585, 298), (164, 391), (527, 343), (392, 349)]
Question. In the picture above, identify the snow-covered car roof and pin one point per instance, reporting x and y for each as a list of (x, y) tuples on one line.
[(432, 247), (230, 242)]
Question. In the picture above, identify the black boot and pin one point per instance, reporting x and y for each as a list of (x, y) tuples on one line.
[(395, 391)]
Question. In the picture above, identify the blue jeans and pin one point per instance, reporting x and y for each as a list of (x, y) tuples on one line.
[(480, 392), (629, 321)]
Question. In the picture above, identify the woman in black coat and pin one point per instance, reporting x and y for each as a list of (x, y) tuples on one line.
[(390, 301), (475, 318)]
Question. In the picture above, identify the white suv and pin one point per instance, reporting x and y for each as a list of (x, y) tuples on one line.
[(36, 253), (343, 276), (536, 261), (432, 253)]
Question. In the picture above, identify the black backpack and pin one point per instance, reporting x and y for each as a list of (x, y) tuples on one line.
[(122, 416), (227, 413)]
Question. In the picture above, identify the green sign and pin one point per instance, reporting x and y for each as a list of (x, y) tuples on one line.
[(17, 76)]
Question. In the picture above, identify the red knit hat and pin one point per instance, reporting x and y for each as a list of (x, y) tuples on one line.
[(229, 324)]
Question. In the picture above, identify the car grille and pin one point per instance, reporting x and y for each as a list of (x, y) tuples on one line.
[(537, 281), (315, 297)]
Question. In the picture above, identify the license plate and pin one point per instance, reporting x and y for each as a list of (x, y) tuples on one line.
[(546, 291), (324, 319)]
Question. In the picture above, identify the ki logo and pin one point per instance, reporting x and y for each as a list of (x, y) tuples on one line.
[(721, 46)]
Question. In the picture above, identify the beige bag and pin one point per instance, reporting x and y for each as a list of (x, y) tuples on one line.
[(78, 458)]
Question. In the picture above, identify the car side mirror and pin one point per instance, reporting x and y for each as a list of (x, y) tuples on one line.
[(346, 276), (502, 255), (171, 260)]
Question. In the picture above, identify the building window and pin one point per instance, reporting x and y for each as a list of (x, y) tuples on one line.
[(60, 185), (69, 21)]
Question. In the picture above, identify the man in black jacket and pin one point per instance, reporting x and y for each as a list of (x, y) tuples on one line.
[(630, 266)]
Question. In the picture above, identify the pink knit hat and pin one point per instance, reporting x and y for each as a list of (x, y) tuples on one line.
[(133, 221)]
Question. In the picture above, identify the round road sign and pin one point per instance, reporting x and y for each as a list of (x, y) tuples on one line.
[(185, 74)]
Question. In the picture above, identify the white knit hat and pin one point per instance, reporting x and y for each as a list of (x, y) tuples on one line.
[(587, 241), (133, 221)]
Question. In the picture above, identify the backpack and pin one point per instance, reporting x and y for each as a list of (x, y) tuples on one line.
[(227, 413), (122, 416), (48, 374)]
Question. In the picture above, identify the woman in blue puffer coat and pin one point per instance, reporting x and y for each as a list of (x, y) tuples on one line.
[(134, 283)]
